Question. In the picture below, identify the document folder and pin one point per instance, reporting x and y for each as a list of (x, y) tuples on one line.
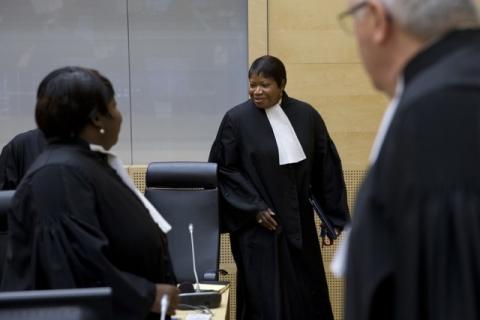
[(328, 228)]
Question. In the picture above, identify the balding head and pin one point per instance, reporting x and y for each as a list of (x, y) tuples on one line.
[(430, 19), (391, 32)]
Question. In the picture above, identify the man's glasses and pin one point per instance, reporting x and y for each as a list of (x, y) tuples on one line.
[(344, 17)]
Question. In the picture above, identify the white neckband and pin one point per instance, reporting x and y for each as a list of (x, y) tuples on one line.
[(289, 148)]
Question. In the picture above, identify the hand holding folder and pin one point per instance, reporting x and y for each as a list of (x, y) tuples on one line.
[(327, 227)]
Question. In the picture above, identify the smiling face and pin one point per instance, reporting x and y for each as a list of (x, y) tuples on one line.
[(264, 92)]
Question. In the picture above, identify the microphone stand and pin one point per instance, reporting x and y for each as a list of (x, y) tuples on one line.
[(208, 298), (197, 283)]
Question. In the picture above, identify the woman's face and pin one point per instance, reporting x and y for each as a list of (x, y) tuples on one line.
[(112, 123), (264, 92)]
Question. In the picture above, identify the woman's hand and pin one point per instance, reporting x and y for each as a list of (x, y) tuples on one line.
[(265, 218), (326, 240), (172, 294)]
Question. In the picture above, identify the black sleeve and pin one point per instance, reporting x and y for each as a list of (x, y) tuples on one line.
[(8, 168), (328, 183), (240, 199), (56, 241)]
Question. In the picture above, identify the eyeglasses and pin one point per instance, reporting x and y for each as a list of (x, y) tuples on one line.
[(343, 18)]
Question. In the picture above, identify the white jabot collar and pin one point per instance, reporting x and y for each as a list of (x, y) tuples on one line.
[(289, 148), (117, 165), (386, 121)]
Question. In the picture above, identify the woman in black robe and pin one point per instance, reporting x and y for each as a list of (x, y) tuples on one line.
[(75, 222), (265, 205)]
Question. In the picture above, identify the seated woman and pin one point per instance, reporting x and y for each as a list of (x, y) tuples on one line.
[(77, 221)]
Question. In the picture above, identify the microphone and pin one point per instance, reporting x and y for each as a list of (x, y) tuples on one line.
[(197, 283), (209, 298), (164, 302)]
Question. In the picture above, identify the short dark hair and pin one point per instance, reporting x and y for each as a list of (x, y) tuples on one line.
[(269, 67), (68, 98)]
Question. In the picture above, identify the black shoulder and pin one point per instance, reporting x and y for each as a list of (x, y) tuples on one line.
[(300, 105), (446, 106), (27, 137), (240, 110), (75, 158)]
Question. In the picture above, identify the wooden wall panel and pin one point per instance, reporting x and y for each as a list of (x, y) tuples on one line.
[(343, 95), (323, 68), (329, 46), (257, 29), (309, 33)]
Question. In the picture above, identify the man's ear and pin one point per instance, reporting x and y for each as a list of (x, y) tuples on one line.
[(382, 22), (283, 84)]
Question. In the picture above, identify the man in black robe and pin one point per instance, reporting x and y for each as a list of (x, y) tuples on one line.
[(279, 269), (17, 156), (414, 246)]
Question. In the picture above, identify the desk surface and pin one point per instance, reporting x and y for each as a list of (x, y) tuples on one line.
[(219, 313)]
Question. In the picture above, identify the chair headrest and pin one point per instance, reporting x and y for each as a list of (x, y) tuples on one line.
[(182, 175)]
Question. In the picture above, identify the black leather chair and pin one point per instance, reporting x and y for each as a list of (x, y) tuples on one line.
[(184, 193), (5, 201)]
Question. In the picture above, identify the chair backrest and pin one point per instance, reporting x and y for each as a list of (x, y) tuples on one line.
[(63, 304), (5, 204), (184, 193)]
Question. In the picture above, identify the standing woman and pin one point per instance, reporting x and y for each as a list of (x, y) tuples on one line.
[(270, 150), (76, 219)]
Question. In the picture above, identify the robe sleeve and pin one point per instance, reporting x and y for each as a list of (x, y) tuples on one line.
[(56, 241), (239, 201), (8, 168), (328, 184)]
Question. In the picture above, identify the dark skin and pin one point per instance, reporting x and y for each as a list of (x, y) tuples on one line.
[(265, 218), (173, 298)]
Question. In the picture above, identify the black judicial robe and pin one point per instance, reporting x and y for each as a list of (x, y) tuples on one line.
[(415, 243), (75, 224), (18, 155), (280, 274)]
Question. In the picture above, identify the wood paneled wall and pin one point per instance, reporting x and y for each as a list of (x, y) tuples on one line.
[(323, 68)]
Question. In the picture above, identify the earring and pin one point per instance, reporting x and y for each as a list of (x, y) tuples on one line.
[(102, 131)]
